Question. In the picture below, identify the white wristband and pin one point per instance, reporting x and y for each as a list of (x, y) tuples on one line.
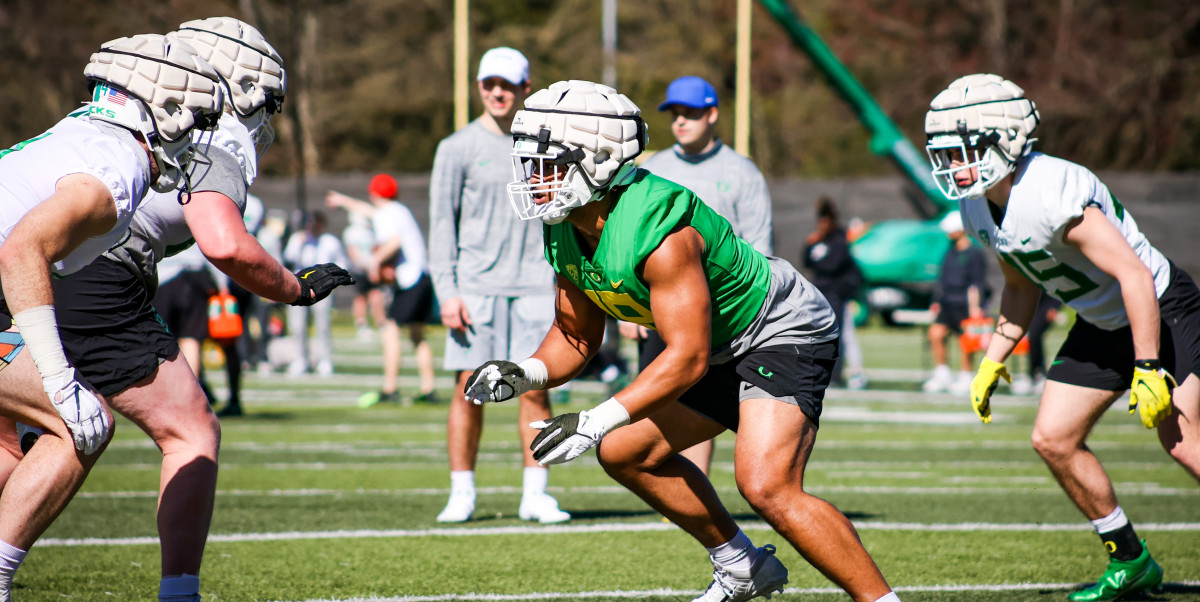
[(535, 373), (609, 415), (39, 328)]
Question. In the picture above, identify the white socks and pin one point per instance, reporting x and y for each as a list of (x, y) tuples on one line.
[(179, 588), (736, 555), (10, 560), (462, 482), (1112, 522), (534, 482), (891, 597)]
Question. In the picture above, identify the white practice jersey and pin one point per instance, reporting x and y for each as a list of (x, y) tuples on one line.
[(30, 171), (1048, 194), (394, 219), (160, 221)]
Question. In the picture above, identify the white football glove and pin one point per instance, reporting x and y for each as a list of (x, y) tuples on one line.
[(498, 380), (80, 409), (567, 436)]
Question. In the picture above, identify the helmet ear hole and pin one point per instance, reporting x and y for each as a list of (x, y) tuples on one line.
[(601, 156)]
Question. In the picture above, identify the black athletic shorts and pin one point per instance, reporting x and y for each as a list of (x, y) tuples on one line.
[(952, 317), (362, 282), (412, 305), (183, 304), (1103, 359), (110, 331), (794, 374)]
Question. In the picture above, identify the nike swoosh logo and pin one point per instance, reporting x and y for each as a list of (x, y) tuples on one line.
[(1025, 241), (310, 273), (616, 283), (1056, 362), (764, 372), (1149, 390)]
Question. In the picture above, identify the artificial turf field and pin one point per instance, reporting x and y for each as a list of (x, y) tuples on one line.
[(320, 500)]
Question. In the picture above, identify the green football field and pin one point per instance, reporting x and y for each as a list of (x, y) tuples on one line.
[(320, 500)]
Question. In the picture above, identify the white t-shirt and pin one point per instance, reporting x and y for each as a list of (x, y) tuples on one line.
[(30, 171), (1048, 193), (394, 219)]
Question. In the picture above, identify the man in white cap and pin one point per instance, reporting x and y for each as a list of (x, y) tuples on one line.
[(957, 296), (495, 287)]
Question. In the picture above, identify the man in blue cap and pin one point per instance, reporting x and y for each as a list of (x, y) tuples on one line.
[(726, 181)]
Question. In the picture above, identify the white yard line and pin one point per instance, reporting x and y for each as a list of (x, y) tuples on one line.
[(619, 594), (580, 529), (1149, 489)]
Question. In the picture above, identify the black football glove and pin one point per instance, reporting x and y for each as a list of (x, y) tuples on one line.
[(318, 281), (496, 381)]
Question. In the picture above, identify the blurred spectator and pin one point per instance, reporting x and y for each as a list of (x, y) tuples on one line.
[(838, 277), (367, 307), (270, 236), (959, 294), (185, 282), (239, 351), (726, 181), (1043, 318), (397, 258), (313, 246)]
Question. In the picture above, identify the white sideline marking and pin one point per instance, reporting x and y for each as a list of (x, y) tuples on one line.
[(577, 529), (1149, 489), (1000, 587)]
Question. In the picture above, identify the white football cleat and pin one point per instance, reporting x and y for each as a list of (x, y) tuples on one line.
[(767, 576), (459, 509), (543, 509)]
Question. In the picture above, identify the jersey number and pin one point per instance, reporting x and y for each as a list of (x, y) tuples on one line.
[(1083, 284), (621, 306)]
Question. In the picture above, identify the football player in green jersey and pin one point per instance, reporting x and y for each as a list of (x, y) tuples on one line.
[(750, 344)]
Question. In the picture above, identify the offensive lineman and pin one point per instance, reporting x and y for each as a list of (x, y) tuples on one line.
[(111, 331), (1057, 228), (750, 345), (65, 197)]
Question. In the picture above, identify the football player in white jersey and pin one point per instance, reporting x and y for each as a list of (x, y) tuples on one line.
[(1057, 228), (111, 331), (65, 197)]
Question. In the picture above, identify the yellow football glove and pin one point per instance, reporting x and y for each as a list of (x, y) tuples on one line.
[(1150, 393), (984, 383)]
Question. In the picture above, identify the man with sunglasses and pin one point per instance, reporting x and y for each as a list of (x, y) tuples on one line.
[(496, 291), (111, 331)]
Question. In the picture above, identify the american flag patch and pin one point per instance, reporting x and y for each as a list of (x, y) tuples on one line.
[(116, 96)]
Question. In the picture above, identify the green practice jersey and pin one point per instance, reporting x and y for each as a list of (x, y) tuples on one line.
[(647, 210)]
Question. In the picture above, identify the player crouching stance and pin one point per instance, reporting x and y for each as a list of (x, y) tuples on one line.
[(1058, 228), (750, 344), (67, 196)]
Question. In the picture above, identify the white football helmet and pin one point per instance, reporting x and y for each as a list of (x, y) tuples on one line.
[(981, 121), (588, 129), (160, 88), (250, 67)]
